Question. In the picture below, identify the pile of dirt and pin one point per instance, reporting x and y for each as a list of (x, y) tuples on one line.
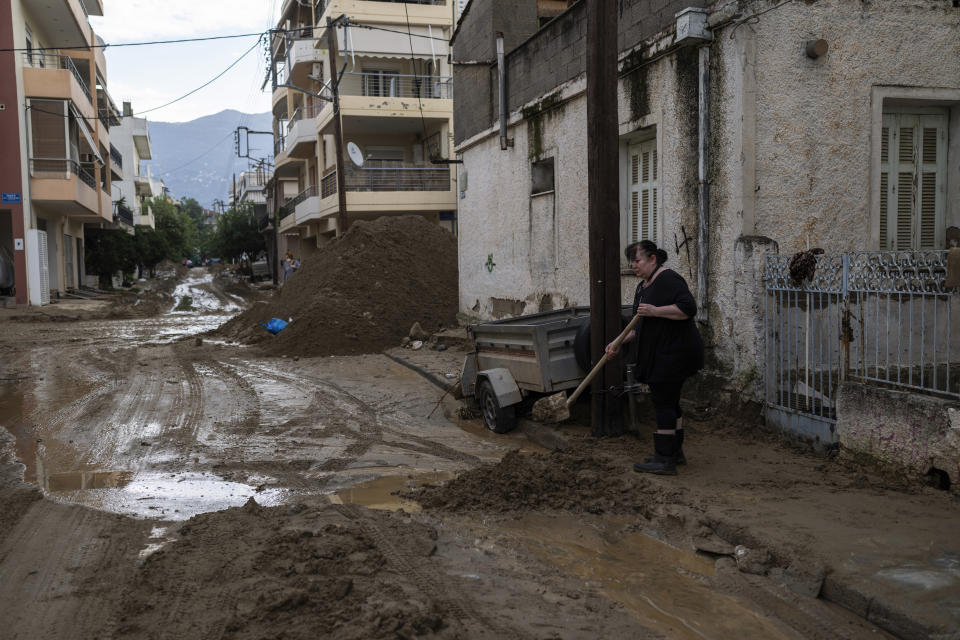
[(361, 293), (286, 572), (575, 481)]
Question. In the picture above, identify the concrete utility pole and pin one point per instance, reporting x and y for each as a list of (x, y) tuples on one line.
[(604, 215), (337, 126)]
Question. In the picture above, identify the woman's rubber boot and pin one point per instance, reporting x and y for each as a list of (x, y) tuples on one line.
[(680, 458), (664, 461)]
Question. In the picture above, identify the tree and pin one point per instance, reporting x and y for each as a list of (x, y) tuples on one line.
[(176, 228), (151, 247), (192, 208), (109, 251), (237, 232)]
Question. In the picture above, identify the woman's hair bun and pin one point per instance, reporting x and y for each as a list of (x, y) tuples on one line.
[(661, 256)]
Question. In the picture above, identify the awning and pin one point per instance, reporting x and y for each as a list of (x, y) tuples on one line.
[(85, 130)]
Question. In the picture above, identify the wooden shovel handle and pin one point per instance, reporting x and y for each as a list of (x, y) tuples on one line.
[(596, 368)]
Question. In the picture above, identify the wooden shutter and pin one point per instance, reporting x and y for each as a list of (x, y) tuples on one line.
[(643, 191), (912, 181)]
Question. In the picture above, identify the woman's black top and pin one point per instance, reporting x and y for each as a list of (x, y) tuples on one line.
[(667, 350)]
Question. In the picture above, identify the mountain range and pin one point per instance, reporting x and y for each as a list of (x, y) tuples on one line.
[(197, 159)]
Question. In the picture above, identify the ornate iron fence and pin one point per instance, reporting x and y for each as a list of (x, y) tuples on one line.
[(882, 318)]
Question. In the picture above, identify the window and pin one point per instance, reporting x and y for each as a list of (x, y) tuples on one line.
[(913, 176), (642, 178), (541, 176)]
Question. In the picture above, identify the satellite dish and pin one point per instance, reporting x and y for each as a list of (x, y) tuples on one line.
[(355, 154)]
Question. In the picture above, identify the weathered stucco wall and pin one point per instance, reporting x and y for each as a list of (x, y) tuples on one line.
[(790, 144)]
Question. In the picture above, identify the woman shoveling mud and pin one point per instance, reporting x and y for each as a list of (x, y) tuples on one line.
[(669, 351)]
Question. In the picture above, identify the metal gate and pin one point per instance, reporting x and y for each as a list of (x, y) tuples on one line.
[(882, 318)]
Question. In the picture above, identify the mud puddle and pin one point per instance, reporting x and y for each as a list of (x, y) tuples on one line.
[(664, 588), (153, 495), (381, 493), (194, 295)]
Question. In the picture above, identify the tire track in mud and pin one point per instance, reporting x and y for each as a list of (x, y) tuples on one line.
[(430, 581), (407, 441), (249, 401)]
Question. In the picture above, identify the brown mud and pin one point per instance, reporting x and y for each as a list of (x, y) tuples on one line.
[(361, 294)]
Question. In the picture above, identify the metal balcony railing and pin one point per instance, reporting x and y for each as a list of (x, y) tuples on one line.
[(116, 156), (284, 212), (395, 85), (60, 168), (303, 113), (328, 184), (309, 192), (278, 143), (56, 61), (397, 179), (124, 214)]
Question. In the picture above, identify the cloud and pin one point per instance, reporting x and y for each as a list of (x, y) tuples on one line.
[(138, 20)]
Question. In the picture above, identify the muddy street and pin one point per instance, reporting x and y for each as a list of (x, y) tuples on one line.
[(160, 483)]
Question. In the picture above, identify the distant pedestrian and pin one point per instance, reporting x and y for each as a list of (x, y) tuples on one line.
[(670, 349), (290, 265)]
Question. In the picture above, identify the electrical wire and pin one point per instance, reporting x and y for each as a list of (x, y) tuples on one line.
[(413, 63), (133, 44), (186, 95)]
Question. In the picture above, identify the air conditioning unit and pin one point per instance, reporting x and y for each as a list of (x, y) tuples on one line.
[(317, 70), (38, 267)]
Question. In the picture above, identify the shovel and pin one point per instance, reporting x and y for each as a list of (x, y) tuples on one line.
[(556, 408)]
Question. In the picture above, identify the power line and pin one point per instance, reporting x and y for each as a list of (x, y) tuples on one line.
[(134, 44), (186, 95)]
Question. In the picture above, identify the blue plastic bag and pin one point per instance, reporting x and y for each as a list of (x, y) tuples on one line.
[(275, 326)]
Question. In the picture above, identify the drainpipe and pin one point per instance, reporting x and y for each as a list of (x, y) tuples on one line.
[(502, 80), (703, 195)]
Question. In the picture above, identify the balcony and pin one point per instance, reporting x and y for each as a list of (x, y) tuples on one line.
[(304, 52), (301, 132), (124, 215), (47, 75), (116, 162), (141, 138), (68, 17), (63, 185), (407, 178), (420, 12), (395, 85)]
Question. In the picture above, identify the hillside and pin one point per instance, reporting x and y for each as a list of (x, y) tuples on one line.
[(197, 158)]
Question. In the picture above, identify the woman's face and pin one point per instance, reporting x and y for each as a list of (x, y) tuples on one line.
[(643, 265)]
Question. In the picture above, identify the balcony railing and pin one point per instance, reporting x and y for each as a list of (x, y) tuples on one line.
[(278, 143), (116, 157), (303, 113), (395, 85), (397, 179), (285, 212), (328, 184), (60, 168), (56, 61), (309, 192), (124, 214)]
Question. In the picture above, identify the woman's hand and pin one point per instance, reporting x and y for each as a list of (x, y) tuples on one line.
[(613, 349), (647, 310)]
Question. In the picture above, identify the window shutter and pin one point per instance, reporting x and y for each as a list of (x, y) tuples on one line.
[(912, 181), (643, 188)]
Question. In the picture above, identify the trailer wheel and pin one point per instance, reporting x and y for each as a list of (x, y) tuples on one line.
[(498, 419)]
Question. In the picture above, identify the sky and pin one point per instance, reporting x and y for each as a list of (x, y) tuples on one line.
[(150, 76)]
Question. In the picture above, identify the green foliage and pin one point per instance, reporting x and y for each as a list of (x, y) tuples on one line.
[(177, 229), (109, 251), (192, 209), (237, 232), (151, 247)]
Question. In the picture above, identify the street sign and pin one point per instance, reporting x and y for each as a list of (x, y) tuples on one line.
[(11, 198)]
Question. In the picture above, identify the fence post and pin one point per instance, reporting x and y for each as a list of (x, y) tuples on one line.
[(846, 331)]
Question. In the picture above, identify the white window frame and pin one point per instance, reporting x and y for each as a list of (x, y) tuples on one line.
[(643, 190), (892, 98)]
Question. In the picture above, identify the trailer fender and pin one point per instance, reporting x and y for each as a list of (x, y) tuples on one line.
[(504, 386), (468, 375)]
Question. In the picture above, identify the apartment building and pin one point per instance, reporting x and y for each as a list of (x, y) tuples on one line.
[(395, 118), (56, 178), (131, 140)]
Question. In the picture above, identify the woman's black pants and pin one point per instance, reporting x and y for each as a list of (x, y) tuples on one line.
[(666, 403)]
